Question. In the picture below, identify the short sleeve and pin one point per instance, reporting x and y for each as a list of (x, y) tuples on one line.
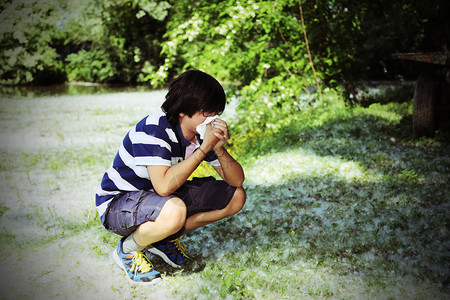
[(151, 144)]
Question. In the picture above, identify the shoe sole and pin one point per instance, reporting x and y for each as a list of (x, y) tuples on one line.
[(161, 254), (119, 263)]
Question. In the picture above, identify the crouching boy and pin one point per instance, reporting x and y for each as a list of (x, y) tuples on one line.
[(146, 197)]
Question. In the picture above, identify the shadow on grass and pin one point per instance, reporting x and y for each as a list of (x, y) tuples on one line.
[(348, 227), (396, 222)]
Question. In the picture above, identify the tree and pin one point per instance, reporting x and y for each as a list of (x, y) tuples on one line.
[(259, 48), (125, 42), (256, 46), (86, 40), (27, 32)]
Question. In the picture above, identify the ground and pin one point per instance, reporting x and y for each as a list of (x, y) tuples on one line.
[(316, 223)]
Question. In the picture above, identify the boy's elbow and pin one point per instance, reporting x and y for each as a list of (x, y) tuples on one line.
[(238, 184), (240, 181), (164, 194), (158, 177), (162, 191)]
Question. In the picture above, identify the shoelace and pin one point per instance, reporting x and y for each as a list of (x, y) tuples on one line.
[(140, 263), (181, 246)]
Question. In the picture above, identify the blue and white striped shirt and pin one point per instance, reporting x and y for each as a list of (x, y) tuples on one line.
[(151, 142)]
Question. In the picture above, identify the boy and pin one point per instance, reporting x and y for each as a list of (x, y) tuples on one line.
[(145, 195)]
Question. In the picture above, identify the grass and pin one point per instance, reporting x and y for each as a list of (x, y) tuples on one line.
[(343, 203)]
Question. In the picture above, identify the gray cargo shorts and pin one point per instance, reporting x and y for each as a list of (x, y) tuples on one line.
[(129, 210)]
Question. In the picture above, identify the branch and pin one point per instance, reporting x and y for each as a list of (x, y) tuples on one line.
[(282, 36), (284, 66), (307, 48)]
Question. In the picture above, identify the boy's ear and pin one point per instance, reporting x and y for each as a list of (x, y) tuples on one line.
[(181, 114)]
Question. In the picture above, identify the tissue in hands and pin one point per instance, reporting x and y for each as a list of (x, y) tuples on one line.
[(201, 129)]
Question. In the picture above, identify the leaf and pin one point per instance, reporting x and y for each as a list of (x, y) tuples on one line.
[(228, 280)]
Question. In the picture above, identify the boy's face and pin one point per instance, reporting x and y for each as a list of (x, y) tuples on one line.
[(190, 123)]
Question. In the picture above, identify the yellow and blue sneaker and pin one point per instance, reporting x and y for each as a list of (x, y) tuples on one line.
[(137, 266), (172, 252)]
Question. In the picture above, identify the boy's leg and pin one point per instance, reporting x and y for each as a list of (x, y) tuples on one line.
[(204, 218), (142, 217), (146, 216), (209, 195), (170, 220)]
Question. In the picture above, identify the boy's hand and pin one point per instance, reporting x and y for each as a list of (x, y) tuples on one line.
[(222, 133), (216, 138), (210, 139)]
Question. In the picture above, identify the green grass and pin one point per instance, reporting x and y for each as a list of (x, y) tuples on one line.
[(343, 203)]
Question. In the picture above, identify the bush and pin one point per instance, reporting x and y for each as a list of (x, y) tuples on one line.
[(93, 66), (27, 32)]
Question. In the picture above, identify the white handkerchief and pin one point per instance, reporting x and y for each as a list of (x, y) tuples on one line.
[(201, 129)]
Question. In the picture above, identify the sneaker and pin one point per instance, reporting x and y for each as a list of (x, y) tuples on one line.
[(137, 266), (171, 251)]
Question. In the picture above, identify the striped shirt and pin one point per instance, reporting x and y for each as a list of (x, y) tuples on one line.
[(152, 142)]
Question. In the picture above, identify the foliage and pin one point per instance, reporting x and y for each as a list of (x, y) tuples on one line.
[(258, 47), (119, 51), (107, 41), (27, 33), (362, 35), (92, 66)]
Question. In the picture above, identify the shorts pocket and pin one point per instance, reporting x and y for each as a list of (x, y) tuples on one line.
[(122, 215), (127, 214)]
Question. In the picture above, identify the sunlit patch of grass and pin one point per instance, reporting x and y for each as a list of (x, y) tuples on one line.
[(281, 166), (392, 112), (49, 226)]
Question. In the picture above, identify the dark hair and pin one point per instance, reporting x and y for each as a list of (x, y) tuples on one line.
[(191, 92)]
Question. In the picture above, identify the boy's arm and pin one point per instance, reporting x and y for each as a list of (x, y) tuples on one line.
[(230, 170), (166, 180)]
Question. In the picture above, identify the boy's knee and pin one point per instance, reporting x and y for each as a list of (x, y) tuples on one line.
[(237, 202), (173, 215)]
